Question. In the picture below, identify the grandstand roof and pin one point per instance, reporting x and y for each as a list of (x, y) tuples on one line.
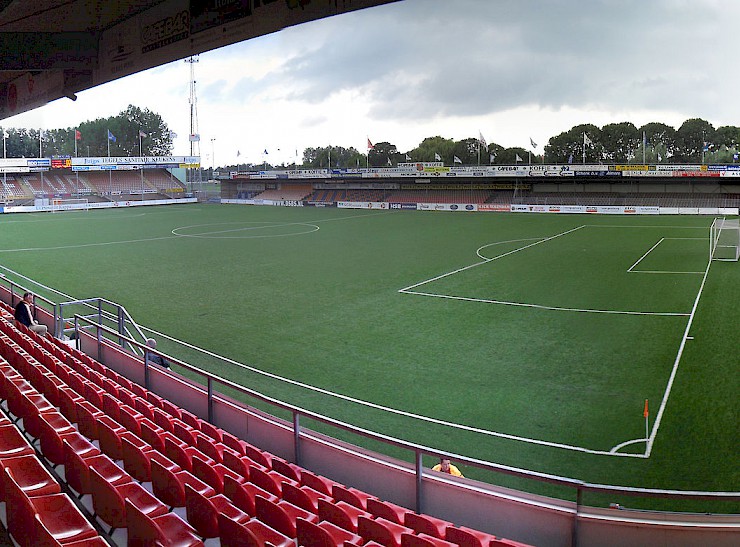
[(51, 49)]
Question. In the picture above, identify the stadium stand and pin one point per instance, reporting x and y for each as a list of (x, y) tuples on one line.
[(294, 192), (138, 470), (439, 196), (14, 189)]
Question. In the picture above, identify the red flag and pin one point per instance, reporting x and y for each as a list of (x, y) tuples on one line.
[(645, 412), (78, 135), (369, 145)]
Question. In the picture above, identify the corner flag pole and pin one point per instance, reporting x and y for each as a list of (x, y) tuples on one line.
[(646, 413)]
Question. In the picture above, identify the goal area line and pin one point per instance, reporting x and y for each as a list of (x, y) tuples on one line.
[(614, 451)]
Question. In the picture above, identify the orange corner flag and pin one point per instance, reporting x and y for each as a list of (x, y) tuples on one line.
[(646, 412)]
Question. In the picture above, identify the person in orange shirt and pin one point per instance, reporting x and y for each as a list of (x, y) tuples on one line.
[(444, 466)]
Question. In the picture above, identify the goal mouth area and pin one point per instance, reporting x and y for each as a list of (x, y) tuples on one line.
[(724, 240)]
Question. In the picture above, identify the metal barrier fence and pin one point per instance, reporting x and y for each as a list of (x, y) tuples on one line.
[(212, 381)]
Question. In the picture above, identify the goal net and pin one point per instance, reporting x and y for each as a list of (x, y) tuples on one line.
[(724, 240), (71, 204)]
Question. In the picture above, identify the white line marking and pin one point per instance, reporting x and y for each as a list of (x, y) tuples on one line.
[(674, 371), (647, 253), (393, 410), (407, 290), (627, 443), (486, 261), (542, 307)]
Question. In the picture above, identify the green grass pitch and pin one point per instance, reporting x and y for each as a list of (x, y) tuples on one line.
[(541, 336)]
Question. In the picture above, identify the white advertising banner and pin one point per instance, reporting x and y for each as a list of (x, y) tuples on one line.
[(446, 207)]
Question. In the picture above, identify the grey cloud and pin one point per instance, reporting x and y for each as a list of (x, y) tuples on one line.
[(473, 57)]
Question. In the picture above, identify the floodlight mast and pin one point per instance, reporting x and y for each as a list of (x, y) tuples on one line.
[(194, 137)]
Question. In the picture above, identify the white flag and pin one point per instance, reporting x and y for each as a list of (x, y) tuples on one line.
[(534, 144), (587, 141), (518, 159), (481, 139), (491, 158), (389, 161), (408, 158), (456, 159), (437, 157)]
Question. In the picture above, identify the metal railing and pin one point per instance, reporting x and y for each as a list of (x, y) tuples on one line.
[(106, 312), (579, 487)]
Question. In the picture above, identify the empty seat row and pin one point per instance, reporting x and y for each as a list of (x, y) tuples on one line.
[(195, 465)]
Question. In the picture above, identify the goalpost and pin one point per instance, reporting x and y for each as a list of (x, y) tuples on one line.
[(71, 204), (724, 240)]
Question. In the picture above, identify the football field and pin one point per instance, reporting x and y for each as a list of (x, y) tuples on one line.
[(522, 339)]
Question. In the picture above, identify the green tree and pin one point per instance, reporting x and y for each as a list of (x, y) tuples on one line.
[(569, 145), (431, 147), (692, 138), (660, 143), (619, 142), (383, 154)]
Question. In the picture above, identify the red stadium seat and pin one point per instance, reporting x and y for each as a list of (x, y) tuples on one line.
[(169, 485), (317, 482), (383, 531), (467, 537), (13, 443), (212, 431), (303, 496), (423, 540), (87, 419), (341, 513), (271, 481), (324, 534), (167, 529), (109, 500), (250, 534), (184, 432), (211, 448), (425, 524), (112, 407), (53, 449), (202, 512), (243, 494), (286, 469), (77, 470), (213, 474), (56, 512), (131, 418), (353, 496), (180, 453), (163, 420), (171, 409), (137, 458), (274, 516), (388, 511), (30, 475), (145, 407)]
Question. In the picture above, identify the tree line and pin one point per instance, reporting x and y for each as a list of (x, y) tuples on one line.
[(93, 138), (137, 131)]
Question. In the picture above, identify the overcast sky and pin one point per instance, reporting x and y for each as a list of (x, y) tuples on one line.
[(511, 70)]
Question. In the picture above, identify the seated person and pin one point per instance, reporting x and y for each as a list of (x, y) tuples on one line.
[(24, 313), (153, 357), (444, 466)]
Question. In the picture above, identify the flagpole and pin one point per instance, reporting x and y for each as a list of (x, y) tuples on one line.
[(41, 136), (584, 147), (644, 146), (646, 413)]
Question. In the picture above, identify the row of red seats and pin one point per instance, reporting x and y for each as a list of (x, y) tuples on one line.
[(110, 486), (191, 463), (38, 513)]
